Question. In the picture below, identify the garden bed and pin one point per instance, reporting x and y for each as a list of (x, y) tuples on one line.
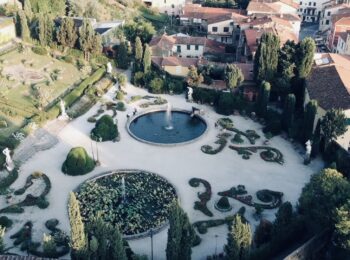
[(146, 204), (268, 154), (204, 197)]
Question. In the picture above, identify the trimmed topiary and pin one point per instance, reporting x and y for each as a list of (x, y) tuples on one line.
[(105, 129), (78, 162), (223, 204), (5, 222), (237, 139)]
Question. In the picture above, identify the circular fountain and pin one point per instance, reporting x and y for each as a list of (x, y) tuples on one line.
[(167, 127)]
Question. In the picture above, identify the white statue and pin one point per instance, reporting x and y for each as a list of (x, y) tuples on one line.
[(308, 152), (9, 163), (63, 115), (189, 95), (109, 68)]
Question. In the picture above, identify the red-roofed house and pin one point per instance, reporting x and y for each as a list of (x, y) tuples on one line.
[(340, 24), (328, 11), (343, 46), (272, 7)]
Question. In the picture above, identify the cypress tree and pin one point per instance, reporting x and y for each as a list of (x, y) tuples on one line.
[(122, 56), (239, 240), (288, 112), (263, 98), (316, 139), (180, 235), (147, 59), (233, 76), (45, 29), (78, 238), (117, 249), (266, 57), (306, 53), (86, 38), (2, 244), (67, 34), (22, 26), (28, 10), (309, 119), (138, 49), (99, 230)]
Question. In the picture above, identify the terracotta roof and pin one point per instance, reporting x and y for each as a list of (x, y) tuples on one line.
[(247, 70), (329, 82), (261, 7), (344, 35), (189, 40), (212, 46), (176, 61), (252, 36), (164, 42), (199, 12), (344, 21)]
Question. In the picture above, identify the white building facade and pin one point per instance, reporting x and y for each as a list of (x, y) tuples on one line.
[(170, 7)]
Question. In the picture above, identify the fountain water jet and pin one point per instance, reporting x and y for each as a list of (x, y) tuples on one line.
[(169, 124)]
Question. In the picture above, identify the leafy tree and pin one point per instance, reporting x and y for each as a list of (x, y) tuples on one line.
[(333, 124), (78, 238), (67, 34), (49, 245), (144, 30), (138, 49), (263, 98), (306, 51), (266, 58), (147, 59), (2, 244), (105, 129), (193, 78), (342, 226), (122, 56), (180, 235), (309, 119), (325, 192), (288, 112), (53, 7), (239, 240), (99, 230), (22, 26), (233, 76), (156, 85), (78, 162)]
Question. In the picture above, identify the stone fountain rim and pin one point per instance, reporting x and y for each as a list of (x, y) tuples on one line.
[(153, 110)]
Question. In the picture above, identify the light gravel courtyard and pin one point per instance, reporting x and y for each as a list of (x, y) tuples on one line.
[(178, 164)]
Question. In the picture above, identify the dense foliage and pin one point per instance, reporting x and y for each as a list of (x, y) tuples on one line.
[(78, 162), (105, 129)]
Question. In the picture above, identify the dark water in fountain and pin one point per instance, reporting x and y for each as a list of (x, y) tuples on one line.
[(151, 127)]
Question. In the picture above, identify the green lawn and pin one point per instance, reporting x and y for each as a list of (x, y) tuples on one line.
[(20, 73)]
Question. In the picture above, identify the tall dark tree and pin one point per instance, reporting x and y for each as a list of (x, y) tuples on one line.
[(306, 51), (233, 76), (78, 237), (316, 139), (284, 217), (67, 34), (22, 26), (27, 6), (45, 29), (333, 124), (180, 235), (239, 240), (122, 56), (147, 59), (342, 226), (288, 112), (138, 49), (309, 119), (263, 98), (88, 39), (266, 58), (117, 249), (263, 232), (99, 230)]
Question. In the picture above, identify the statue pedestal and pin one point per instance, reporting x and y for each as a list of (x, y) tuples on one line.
[(63, 117), (10, 166)]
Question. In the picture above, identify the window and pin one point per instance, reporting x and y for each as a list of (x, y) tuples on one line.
[(188, 47), (215, 29), (196, 47), (301, 10), (314, 3), (226, 29), (309, 3), (301, 3), (328, 13), (178, 48), (231, 23), (327, 22)]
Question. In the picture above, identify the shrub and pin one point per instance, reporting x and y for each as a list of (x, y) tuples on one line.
[(42, 203), (3, 124), (237, 139), (51, 224), (121, 79), (120, 106), (223, 204), (120, 95), (139, 79), (156, 85), (78, 162), (225, 104), (39, 50), (68, 59), (91, 119), (5, 222), (105, 129)]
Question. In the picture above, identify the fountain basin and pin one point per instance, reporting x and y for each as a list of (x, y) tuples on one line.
[(151, 127)]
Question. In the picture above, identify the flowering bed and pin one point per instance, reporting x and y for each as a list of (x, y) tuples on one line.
[(147, 200)]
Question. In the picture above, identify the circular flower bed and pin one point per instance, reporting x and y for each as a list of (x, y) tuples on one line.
[(145, 206)]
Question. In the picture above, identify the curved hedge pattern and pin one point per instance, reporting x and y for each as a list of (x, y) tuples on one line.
[(204, 197), (269, 154)]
